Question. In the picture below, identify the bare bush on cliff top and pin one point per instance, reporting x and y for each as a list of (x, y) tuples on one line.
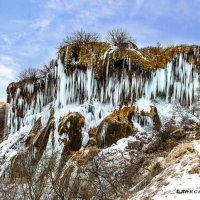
[(120, 38), (80, 37), (30, 74), (48, 68)]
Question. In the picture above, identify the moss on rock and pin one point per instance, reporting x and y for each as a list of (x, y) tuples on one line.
[(114, 127), (100, 55), (71, 126)]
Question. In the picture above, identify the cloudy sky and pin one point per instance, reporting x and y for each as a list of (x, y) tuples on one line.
[(31, 30)]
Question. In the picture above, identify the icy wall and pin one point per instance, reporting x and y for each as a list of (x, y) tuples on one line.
[(28, 99), (79, 90), (177, 83)]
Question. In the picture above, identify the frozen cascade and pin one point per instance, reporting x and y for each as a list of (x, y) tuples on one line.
[(78, 90), (175, 83), (29, 100)]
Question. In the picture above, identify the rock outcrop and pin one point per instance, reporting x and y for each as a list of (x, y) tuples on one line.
[(3, 117), (70, 130), (114, 127)]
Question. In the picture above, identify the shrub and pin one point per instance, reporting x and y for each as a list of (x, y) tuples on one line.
[(29, 74), (159, 45), (47, 68), (169, 45), (120, 38), (80, 37)]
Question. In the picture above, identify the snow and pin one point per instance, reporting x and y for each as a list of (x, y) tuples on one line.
[(116, 155), (180, 182), (139, 53), (137, 125), (177, 178), (11, 146), (143, 104)]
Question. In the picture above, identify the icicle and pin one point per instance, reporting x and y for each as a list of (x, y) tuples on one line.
[(177, 83)]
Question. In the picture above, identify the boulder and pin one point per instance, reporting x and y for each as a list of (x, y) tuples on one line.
[(198, 124), (178, 134), (153, 114), (3, 114), (70, 129), (137, 144), (36, 128), (151, 147), (179, 151), (116, 126)]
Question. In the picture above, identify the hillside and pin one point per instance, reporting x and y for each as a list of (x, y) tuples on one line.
[(105, 123), (2, 120)]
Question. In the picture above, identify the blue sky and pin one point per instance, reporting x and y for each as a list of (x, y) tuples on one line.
[(30, 30)]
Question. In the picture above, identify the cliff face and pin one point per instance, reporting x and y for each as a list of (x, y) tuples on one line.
[(3, 125), (105, 75), (98, 109)]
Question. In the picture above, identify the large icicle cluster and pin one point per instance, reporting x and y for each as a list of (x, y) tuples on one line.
[(177, 83), (28, 99), (122, 85)]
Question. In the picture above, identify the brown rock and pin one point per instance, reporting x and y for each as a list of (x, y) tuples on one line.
[(153, 114), (194, 170), (197, 135), (178, 134), (92, 141), (188, 128), (151, 146), (22, 166), (179, 151), (198, 123), (2, 119), (36, 128), (167, 145), (71, 125), (116, 126), (135, 145)]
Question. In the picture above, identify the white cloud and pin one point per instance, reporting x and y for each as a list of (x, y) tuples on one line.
[(6, 73), (9, 69), (178, 10), (5, 39), (7, 60), (6, 76), (89, 9)]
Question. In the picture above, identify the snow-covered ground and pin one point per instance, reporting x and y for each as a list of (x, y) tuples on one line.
[(180, 177)]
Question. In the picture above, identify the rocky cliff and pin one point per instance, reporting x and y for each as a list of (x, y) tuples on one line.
[(103, 123), (3, 125)]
